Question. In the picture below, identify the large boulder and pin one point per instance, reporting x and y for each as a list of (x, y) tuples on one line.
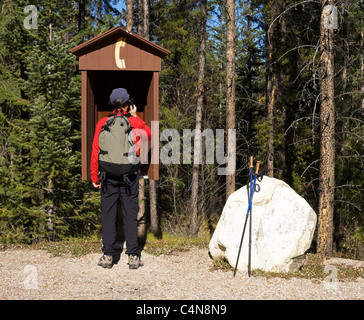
[(283, 224)]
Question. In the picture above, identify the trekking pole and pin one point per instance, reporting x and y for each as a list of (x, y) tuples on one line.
[(247, 212), (250, 221)]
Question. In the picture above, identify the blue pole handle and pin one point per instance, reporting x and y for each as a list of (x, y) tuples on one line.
[(253, 188)]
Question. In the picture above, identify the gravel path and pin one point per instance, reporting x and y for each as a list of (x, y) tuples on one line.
[(36, 274)]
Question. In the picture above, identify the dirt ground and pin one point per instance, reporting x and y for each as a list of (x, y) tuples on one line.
[(38, 275)]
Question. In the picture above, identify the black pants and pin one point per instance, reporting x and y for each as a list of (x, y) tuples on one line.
[(113, 189)]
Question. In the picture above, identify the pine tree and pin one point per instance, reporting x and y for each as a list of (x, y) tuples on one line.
[(194, 227), (42, 145)]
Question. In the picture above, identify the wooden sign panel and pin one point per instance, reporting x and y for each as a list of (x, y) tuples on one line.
[(118, 49)]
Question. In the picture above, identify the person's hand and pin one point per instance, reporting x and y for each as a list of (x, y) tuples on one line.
[(97, 185), (133, 110)]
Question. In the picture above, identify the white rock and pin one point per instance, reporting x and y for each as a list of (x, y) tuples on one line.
[(283, 224)]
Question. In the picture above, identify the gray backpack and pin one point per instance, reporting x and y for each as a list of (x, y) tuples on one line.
[(117, 156)]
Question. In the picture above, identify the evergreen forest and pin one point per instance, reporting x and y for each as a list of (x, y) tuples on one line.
[(287, 75)]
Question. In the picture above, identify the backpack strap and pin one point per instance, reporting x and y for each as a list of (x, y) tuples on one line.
[(109, 122), (103, 152), (127, 131)]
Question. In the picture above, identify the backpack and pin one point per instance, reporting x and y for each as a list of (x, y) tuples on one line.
[(117, 155)]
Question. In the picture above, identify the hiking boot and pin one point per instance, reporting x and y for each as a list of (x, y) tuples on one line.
[(140, 261), (105, 261), (134, 261)]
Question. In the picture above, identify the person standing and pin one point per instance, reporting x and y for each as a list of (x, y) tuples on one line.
[(124, 187)]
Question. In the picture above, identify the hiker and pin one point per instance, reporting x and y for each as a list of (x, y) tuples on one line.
[(119, 186)]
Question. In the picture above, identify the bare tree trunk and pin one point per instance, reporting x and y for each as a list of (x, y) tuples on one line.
[(142, 223), (143, 30), (51, 211), (230, 83), (327, 131), (143, 18), (272, 84), (362, 63), (129, 15), (140, 17), (81, 14), (154, 217), (146, 19), (271, 94), (198, 126)]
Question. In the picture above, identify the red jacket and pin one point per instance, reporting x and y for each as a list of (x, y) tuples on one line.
[(140, 130)]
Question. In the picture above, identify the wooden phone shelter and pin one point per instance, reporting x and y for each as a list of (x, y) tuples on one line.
[(117, 59)]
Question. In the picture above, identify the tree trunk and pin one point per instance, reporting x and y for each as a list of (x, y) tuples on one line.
[(327, 132), (142, 221), (51, 211), (272, 85), (81, 14), (362, 63), (271, 93), (146, 19), (140, 17), (143, 18), (230, 83), (129, 15), (198, 126), (143, 30), (154, 217)]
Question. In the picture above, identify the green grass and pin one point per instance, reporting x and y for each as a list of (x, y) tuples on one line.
[(315, 269), (170, 243), (73, 246), (222, 265), (167, 244)]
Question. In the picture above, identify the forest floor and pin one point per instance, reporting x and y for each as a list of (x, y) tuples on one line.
[(37, 274)]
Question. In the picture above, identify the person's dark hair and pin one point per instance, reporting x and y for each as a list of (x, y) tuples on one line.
[(119, 104)]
